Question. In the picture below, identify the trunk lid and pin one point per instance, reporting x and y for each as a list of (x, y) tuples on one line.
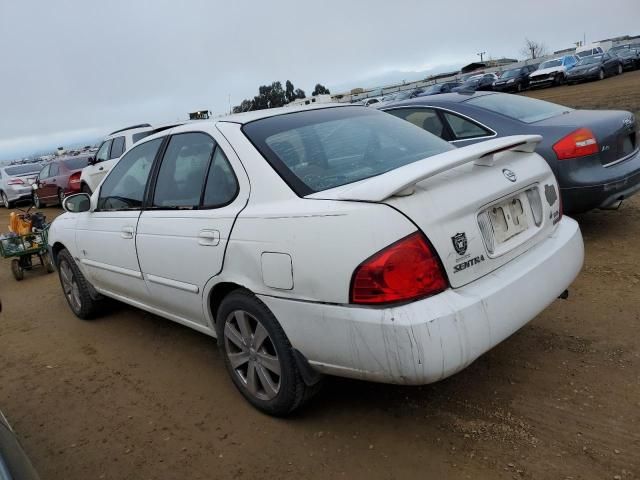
[(479, 213), (615, 130)]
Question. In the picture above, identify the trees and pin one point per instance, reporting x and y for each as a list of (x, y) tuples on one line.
[(320, 90), (533, 49), (272, 96)]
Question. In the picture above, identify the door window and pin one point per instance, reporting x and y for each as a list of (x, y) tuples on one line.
[(465, 129), (103, 152), (425, 118), (222, 186), (54, 170), (117, 147), (44, 173), (124, 187), (183, 171)]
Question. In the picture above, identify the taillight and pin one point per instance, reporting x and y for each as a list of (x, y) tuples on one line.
[(74, 181), (15, 181), (406, 270), (580, 143)]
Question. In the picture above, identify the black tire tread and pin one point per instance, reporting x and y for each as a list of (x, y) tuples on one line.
[(89, 306)]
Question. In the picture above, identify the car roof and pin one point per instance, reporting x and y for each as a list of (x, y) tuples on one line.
[(440, 98)]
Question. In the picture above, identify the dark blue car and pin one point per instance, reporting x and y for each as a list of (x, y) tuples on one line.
[(593, 153)]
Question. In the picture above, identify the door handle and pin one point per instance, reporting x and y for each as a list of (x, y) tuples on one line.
[(127, 232), (209, 238), (101, 169)]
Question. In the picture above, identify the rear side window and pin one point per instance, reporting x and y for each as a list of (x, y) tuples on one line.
[(76, 163), (54, 169), (44, 173), (183, 171), (320, 149), (425, 118), (222, 186), (124, 187), (464, 129), (117, 147), (525, 109)]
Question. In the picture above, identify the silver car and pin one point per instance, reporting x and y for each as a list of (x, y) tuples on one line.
[(16, 182)]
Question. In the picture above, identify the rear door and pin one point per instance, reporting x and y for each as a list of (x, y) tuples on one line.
[(199, 190)]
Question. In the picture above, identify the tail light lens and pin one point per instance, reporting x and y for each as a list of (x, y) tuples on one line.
[(74, 181), (406, 270), (580, 143), (15, 181)]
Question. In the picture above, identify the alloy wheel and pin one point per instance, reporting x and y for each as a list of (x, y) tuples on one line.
[(252, 355), (36, 201), (601, 74), (70, 286), (5, 200), (60, 197)]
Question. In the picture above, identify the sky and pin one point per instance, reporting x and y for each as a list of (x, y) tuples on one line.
[(71, 70)]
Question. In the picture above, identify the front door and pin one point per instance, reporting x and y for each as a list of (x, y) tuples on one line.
[(94, 173), (183, 234), (106, 235)]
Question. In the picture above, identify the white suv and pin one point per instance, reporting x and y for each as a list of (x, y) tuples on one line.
[(109, 152)]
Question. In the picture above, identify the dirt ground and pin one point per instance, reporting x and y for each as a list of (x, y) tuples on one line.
[(133, 396)]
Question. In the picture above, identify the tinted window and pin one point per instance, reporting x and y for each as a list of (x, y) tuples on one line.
[(221, 185), (425, 118), (463, 128), (54, 169), (117, 147), (22, 169), (103, 152), (139, 136), (320, 149), (76, 163), (521, 108), (183, 170), (124, 186), (44, 173)]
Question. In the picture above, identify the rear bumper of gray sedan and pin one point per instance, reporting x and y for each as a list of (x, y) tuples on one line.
[(622, 182)]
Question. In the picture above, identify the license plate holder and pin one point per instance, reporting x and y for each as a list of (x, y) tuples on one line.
[(508, 218)]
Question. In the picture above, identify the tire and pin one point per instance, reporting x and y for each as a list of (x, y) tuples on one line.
[(61, 196), (37, 202), (85, 189), (277, 387), (17, 270), (75, 287), (5, 200), (47, 263), (601, 74)]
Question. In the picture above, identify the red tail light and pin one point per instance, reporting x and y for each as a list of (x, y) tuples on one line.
[(74, 181), (406, 270), (15, 181), (580, 143)]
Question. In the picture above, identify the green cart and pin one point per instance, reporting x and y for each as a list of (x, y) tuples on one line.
[(22, 249)]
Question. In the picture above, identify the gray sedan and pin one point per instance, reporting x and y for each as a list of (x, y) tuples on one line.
[(593, 153), (16, 182)]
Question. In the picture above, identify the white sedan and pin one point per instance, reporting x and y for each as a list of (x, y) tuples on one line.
[(328, 240)]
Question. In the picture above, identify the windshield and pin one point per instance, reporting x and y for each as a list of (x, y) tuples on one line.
[(320, 149), (525, 109), (550, 64), (23, 169), (511, 73), (76, 163), (589, 60)]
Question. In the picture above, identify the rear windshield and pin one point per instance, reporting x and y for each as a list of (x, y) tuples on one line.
[(23, 169), (525, 109), (320, 149), (76, 163)]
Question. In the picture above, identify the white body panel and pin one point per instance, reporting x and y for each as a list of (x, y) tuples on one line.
[(299, 254)]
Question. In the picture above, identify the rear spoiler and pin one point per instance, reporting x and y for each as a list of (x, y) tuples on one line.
[(401, 181)]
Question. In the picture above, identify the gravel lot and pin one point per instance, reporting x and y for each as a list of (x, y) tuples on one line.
[(133, 396)]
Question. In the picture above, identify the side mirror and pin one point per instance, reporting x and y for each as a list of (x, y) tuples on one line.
[(91, 161), (80, 202)]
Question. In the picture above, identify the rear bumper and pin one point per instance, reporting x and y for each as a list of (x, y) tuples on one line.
[(15, 193), (428, 340), (621, 182)]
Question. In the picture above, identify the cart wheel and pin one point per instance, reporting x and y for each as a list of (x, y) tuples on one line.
[(17, 269), (47, 263)]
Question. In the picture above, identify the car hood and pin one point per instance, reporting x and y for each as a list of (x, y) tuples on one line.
[(545, 71)]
